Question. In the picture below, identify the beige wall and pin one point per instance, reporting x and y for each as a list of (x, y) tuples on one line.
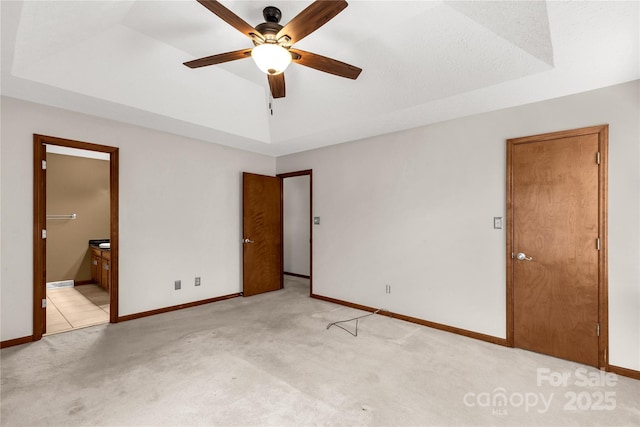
[(81, 186)]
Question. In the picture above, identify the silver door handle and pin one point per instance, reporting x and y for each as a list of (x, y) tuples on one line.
[(522, 257), (247, 241)]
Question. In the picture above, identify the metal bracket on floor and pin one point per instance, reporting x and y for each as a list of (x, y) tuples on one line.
[(355, 334)]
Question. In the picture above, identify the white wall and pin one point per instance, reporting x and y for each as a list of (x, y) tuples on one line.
[(296, 225), (415, 209), (179, 211), (412, 209)]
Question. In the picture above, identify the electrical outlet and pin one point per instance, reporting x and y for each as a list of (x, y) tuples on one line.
[(177, 284), (197, 281), (387, 289)]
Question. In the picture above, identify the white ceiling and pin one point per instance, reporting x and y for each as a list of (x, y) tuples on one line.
[(423, 62)]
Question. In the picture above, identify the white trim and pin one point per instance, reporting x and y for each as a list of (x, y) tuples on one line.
[(57, 149)]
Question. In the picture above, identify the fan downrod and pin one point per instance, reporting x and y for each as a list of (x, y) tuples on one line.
[(272, 14)]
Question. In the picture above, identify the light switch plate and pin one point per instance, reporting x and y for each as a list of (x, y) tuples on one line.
[(497, 222), (316, 220)]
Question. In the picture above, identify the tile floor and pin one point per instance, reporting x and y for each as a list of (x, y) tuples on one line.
[(76, 307)]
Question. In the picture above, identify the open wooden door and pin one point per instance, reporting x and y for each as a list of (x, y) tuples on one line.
[(39, 238), (557, 216), (262, 234)]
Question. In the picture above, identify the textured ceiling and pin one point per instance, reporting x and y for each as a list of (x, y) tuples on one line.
[(423, 62)]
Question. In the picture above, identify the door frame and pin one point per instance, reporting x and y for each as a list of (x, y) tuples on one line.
[(40, 223), (283, 176), (603, 304)]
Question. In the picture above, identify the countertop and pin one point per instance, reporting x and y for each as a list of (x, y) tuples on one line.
[(95, 243)]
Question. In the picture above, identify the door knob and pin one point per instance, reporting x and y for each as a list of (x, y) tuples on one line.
[(247, 241), (523, 257)]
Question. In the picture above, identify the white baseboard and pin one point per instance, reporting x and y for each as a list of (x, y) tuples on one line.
[(61, 284)]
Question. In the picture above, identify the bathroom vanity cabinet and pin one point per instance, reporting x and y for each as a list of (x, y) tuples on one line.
[(101, 267)]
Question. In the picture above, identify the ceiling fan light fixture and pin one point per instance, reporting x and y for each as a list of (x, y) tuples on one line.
[(271, 58)]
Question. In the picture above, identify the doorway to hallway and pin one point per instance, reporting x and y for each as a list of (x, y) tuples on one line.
[(297, 227)]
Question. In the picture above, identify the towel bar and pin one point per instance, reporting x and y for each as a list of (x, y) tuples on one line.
[(72, 216)]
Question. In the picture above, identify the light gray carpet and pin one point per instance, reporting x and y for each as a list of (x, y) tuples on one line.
[(269, 360)]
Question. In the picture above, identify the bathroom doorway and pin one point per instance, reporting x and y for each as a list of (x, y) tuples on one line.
[(75, 235)]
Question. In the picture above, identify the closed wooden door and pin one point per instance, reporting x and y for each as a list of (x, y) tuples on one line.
[(557, 243), (262, 234)]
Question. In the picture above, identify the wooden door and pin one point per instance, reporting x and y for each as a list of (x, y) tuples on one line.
[(557, 243), (262, 233), (39, 239)]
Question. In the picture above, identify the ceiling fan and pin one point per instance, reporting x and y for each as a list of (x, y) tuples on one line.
[(273, 50)]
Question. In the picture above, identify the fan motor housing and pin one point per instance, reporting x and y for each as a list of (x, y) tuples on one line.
[(270, 28)]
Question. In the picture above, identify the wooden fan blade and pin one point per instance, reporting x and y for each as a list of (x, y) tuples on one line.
[(322, 63), (219, 58), (276, 84), (313, 17), (231, 18)]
